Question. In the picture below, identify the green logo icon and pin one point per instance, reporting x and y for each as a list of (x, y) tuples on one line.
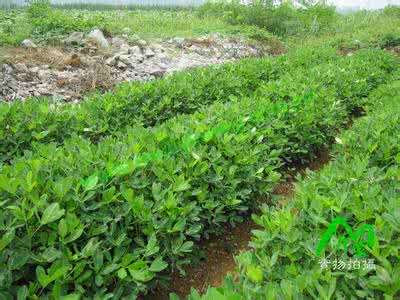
[(348, 237)]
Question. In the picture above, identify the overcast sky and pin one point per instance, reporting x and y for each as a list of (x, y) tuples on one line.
[(372, 4)]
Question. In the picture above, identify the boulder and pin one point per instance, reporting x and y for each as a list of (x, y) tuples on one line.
[(157, 72), (135, 50), (98, 36), (121, 65), (28, 44), (21, 68), (117, 42), (179, 42), (75, 39), (126, 59), (141, 43), (149, 53)]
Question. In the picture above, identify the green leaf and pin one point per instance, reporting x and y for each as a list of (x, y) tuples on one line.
[(74, 235), (42, 276), (127, 194), (90, 248), (181, 185), (62, 186), (71, 297), (62, 228), (22, 293), (40, 135), (255, 273), (152, 247), (52, 213), (121, 170), (90, 183), (187, 246), (141, 275), (179, 226), (158, 265), (122, 273), (6, 239)]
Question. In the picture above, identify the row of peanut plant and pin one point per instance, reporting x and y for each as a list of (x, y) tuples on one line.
[(108, 220), (35, 120), (362, 186)]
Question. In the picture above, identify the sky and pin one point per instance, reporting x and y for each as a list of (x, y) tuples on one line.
[(369, 4)]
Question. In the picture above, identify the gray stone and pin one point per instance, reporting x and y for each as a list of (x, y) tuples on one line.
[(44, 74), (157, 72), (111, 61), (135, 50), (21, 68), (75, 39), (34, 70), (141, 43), (121, 65), (149, 53), (98, 36), (179, 42), (28, 44), (126, 59), (117, 42)]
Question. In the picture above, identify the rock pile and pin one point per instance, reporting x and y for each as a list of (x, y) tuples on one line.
[(96, 62)]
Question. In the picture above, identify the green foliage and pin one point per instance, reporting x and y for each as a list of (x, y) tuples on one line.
[(13, 27), (51, 24), (104, 220), (360, 185), (23, 123), (54, 24), (392, 10), (38, 8), (355, 31), (283, 20)]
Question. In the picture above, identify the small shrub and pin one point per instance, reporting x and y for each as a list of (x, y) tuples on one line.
[(282, 20), (39, 8), (392, 10)]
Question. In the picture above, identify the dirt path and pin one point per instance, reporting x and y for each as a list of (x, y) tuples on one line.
[(219, 251)]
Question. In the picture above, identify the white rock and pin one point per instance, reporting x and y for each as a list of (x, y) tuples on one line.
[(121, 65), (21, 68), (98, 36), (117, 42), (149, 53), (135, 50), (28, 44), (110, 61), (75, 38), (44, 74), (177, 41), (141, 43), (126, 59)]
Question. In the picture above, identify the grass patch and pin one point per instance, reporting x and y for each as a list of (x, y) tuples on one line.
[(51, 25)]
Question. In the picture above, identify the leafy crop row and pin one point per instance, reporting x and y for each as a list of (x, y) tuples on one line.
[(23, 123), (105, 220), (362, 186)]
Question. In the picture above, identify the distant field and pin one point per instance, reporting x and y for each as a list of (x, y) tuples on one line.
[(111, 3), (16, 25)]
